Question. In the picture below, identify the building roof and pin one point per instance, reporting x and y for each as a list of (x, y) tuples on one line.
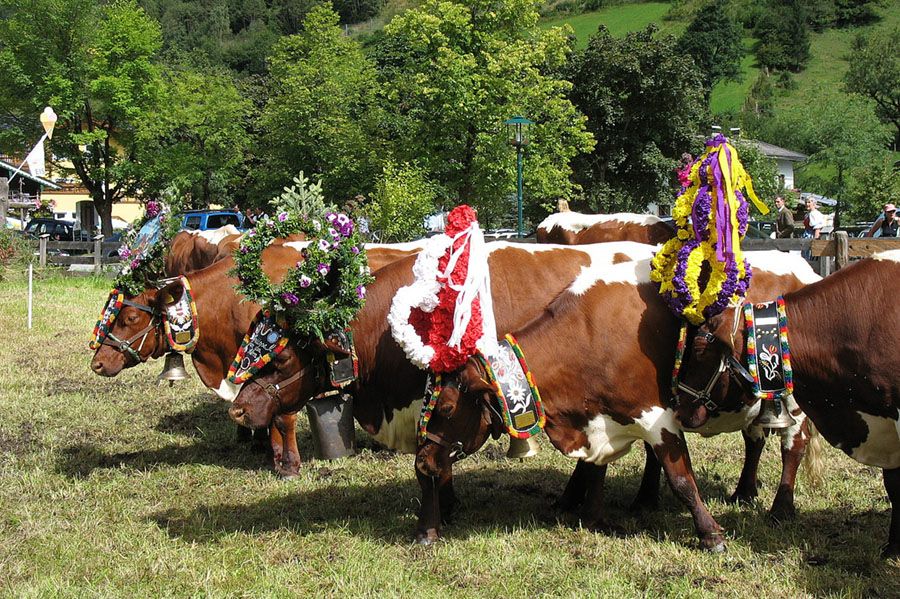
[(774, 151), (23, 173)]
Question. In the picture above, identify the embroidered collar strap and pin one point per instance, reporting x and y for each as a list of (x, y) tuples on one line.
[(520, 401), (265, 339), (182, 327), (768, 350), (434, 384)]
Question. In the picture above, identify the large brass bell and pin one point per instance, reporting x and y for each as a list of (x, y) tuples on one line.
[(522, 448), (173, 369), (773, 415)]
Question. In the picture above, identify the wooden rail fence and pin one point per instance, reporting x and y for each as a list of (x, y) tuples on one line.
[(96, 252)]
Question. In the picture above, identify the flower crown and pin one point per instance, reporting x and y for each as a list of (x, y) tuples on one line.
[(711, 217), (325, 289)]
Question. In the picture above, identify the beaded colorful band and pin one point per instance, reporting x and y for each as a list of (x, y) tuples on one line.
[(107, 316), (240, 373), (753, 357), (679, 356), (433, 388)]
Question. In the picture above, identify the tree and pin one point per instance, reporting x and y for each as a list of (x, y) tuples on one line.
[(94, 64), (713, 40), (452, 72), (644, 107), (841, 136), (320, 116), (875, 72), (402, 200), (783, 37), (195, 141)]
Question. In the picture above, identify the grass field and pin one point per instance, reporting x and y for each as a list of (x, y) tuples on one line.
[(620, 19), (119, 487)]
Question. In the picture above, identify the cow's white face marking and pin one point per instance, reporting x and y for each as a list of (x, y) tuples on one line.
[(575, 221), (782, 263), (227, 390), (892, 255), (629, 273), (608, 440), (882, 445), (400, 433)]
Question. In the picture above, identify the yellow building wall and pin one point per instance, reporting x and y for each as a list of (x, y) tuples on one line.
[(65, 201)]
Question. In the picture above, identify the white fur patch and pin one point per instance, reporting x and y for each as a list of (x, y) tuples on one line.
[(214, 236), (629, 273), (227, 390), (892, 255), (882, 446), (783, 263), (576, 221), (400, 433), (608, 440), (299, 246)]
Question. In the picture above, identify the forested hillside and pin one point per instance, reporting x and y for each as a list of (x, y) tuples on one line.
[(399, 105)]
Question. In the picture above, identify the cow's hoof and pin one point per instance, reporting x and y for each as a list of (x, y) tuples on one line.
[(782, 512), (890, 551), (713, 544), (427, 538)]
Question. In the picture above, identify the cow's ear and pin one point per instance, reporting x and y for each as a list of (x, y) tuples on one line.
[(471, 379), (169, 294), (333, 345)]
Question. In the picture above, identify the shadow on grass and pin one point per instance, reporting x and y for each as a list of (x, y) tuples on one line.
[(386, 511)]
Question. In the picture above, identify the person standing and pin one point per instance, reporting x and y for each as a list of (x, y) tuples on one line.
[(784, 223), (814, 220), (887, 223)]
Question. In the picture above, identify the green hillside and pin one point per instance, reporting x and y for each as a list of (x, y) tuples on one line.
[(620, 20)]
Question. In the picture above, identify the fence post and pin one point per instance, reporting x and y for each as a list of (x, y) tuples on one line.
[(98, 253), (4, 200), (841, 249), (43, 249)]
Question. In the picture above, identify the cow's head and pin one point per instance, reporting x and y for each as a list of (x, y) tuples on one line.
[(137, 332), (710, 367), (463, 418), (285, 384)]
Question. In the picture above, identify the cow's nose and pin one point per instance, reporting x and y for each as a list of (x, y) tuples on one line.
[(97, 366), (236, 413)]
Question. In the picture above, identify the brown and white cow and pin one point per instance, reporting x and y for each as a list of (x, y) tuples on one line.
[(575, 228), (388, 393), (845, 357), (605, 375), (223, 322), (194, 250)]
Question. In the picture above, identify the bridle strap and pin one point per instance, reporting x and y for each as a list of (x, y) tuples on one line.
[(273, 390), (124, 345), (456, 448)]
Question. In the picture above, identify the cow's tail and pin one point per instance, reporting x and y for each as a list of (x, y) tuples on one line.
[(813, 459)]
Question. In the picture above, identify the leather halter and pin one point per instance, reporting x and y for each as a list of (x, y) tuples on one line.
[(273, 390), (726, 363), (125, 345)]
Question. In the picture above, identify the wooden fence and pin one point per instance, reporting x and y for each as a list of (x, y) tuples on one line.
[(836, 251), (95, 253)]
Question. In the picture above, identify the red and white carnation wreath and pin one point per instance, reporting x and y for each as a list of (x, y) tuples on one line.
[(446, 315)]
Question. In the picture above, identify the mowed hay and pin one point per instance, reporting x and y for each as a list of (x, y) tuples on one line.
[(122, 487)]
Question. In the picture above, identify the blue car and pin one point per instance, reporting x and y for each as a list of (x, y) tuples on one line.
[(201, 220)]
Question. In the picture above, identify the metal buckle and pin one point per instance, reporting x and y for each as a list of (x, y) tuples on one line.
[(456, 451)]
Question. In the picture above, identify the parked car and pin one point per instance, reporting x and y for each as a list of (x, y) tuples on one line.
[(201, 220), (59, 230)]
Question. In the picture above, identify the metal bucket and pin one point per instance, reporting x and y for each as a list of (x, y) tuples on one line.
[(331, 422)]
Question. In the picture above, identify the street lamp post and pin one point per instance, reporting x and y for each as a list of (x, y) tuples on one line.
[(517, 135)]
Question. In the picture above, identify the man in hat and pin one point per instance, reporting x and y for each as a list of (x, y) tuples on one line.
[(887, 223)]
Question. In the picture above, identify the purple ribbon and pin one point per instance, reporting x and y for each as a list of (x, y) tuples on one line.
[(723, 217)]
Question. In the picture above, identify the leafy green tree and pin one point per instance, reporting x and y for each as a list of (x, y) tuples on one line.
[(854, 12), (94, 64), (321, 113), (644, 106), (875, 72), (783, 37), (402, 200), (870, 186), (452, 72), (759, 105), (842, 135), (195, 141), (713, 40)]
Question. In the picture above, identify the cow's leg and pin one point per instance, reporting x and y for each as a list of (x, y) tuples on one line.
[(748, 485), (793, 446), (573, 495), (892, 485), (428, 528), (285, 454), (592, 510), (676, 462), (647, 497)]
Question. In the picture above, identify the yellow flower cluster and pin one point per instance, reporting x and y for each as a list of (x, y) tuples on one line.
[(682, 289)]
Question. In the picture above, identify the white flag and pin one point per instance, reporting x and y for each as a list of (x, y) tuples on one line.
[(35, 160)]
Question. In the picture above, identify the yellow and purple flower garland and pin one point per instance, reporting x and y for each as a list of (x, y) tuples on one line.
[(711, 217)]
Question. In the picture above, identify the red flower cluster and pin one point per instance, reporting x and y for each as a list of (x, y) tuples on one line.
[(435, 329)]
